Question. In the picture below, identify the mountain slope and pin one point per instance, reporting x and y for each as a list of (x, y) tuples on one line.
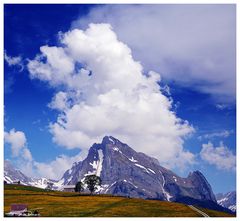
[(126, 172), (227, 200), (13, 175)]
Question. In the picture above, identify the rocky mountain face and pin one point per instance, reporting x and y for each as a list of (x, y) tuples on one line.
[(126, 172), (227, 200)]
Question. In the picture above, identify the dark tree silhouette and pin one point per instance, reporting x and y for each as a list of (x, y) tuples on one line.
[(79, 187), (92, 182)]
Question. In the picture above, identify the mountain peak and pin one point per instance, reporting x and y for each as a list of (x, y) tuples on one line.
[(195, 173), (197, 176), (109, 139), (125, 172), (198, 180), (107, 144)]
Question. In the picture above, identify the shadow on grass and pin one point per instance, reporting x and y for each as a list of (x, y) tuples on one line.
[(104, 208)]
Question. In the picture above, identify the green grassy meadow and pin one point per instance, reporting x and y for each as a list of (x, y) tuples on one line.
[(63, 204)]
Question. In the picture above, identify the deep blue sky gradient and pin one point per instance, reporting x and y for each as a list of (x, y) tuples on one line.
[(26, 28)]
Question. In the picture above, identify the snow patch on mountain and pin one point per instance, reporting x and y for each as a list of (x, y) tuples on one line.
[(233, 208), (96, 165), (132, 160), (151, 170), (175, 179), (102, 188), (99, 167), (88, 173), (138, 165), (109, 186), (59, 184), (166, 193), (112, 140), (227, 200), (117, 149), (8, 179), (40, 183)]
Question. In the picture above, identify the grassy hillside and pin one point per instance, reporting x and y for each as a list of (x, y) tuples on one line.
[(62, 204)]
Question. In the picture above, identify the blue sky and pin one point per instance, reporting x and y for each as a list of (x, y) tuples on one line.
[(197, 79)]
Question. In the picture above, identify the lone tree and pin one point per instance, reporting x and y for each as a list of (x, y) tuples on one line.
[(79, 187), (92, 182)]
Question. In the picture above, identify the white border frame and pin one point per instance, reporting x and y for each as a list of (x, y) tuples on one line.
[(114, 2)]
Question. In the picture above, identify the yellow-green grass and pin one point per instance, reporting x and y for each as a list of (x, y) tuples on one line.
[(212, 213), (63, 204)]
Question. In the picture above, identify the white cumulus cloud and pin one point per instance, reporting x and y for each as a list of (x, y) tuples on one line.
[(28, 165), (57, 167), (107, 93), (18, 143), (192, 45), (220, 156)]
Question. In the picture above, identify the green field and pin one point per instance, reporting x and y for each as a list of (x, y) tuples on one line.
[(62, 204)]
